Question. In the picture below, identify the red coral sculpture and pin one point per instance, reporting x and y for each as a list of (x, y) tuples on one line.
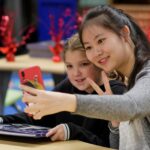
[(9, 44), (64, 29)]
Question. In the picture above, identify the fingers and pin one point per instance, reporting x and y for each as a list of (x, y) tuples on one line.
[(95, 86), (106, 83), (57, 133), (51, 132), (28, 98), (32, 109), (39, 115), (28, 89), (37, 111), (55, 137)]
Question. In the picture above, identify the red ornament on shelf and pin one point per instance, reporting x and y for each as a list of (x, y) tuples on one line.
[(9, 44), (56, 38), (64, 28), (56, 50)]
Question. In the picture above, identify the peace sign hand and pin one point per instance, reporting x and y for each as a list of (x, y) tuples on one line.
[(106, 85), (108, 91)]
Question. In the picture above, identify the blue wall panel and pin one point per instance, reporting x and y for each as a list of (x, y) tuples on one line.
[(57, 9)]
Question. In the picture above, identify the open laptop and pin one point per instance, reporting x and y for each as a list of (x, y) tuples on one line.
[(23, 130)]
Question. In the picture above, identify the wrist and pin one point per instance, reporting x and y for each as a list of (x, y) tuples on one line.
[(66, 132), (114, 130), (115, 123), (69, 102)]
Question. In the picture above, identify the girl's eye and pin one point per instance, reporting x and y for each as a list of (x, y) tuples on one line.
[(68, 66), (87, 48), (100, 41), (85, 64)]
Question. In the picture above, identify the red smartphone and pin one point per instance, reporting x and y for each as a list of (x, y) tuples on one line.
[(32, 77)]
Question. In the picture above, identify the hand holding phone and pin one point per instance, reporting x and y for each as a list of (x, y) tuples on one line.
[(32, 77)]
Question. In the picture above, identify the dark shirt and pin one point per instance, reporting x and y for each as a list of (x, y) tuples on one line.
[(89, 130)]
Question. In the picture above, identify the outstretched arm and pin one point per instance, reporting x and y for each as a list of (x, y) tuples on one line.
[(108, 107)]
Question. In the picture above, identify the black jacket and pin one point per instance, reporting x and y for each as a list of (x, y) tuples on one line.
[(89, 130)]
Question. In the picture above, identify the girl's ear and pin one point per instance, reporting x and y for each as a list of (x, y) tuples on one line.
[(125, 32)]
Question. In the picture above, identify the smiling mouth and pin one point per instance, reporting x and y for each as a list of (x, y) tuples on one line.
[(80, 80), (103, 61)]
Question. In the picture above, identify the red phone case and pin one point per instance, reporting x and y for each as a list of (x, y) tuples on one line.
[(32, 76)]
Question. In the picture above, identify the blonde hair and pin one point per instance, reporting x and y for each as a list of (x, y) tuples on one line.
[(72, 44)]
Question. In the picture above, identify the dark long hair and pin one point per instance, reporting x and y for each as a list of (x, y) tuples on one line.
[(115, 19)]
